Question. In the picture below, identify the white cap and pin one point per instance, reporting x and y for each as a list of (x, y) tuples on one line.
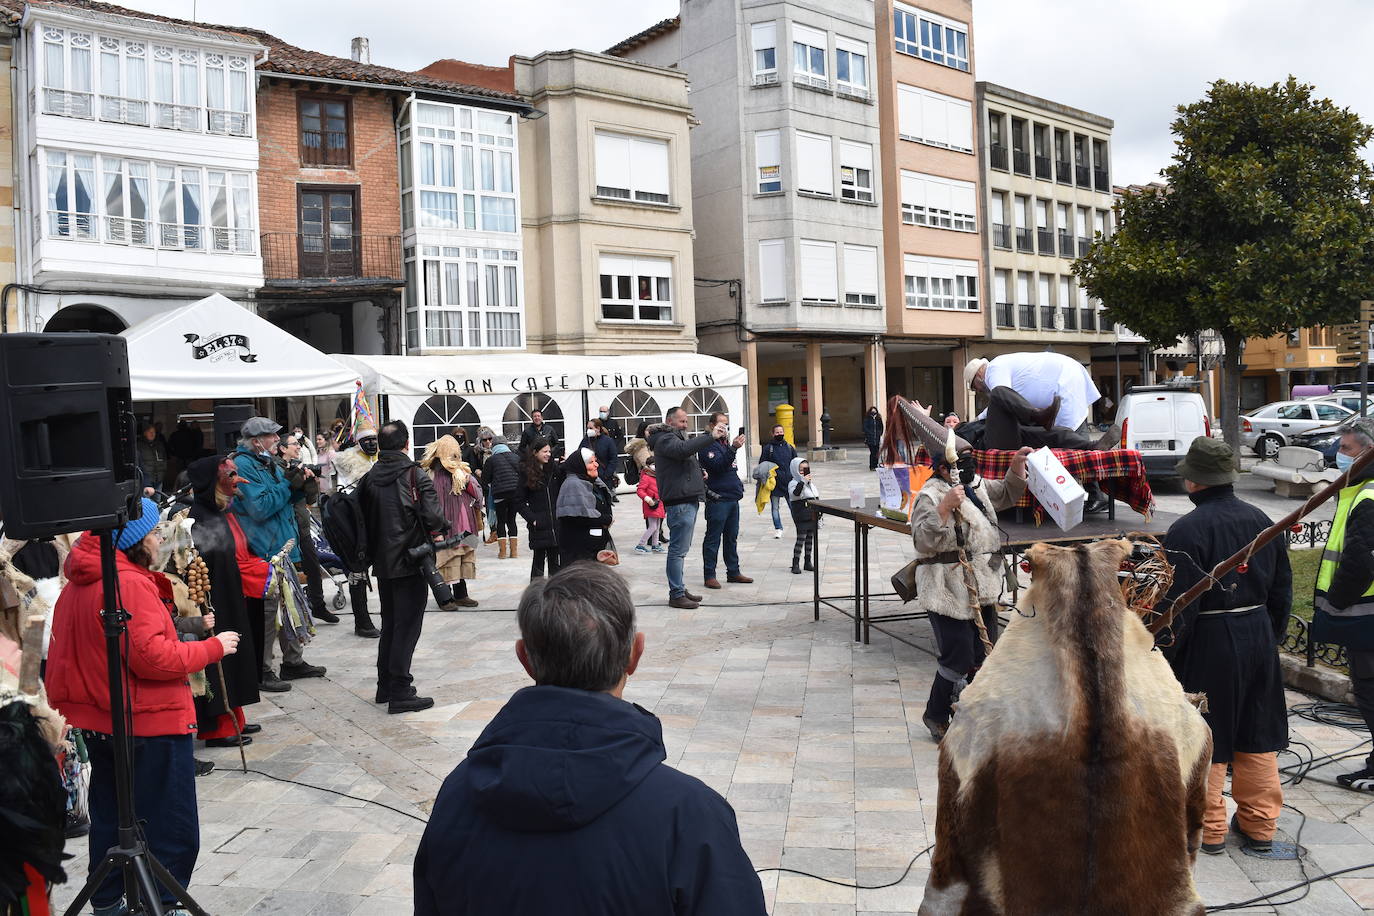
[(971, 370)]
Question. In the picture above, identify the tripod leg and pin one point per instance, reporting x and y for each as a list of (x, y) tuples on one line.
[(182, 894), (93, 882), (148, 893)]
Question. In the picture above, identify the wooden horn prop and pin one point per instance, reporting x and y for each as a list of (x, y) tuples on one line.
[(1264, 537)]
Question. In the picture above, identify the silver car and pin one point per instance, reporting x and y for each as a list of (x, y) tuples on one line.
[(1266, 430)]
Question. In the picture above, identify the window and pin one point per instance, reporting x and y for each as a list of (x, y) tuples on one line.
[(1064, 222), (940, 283), (941, 203), (520, 413), (856, 171), (939, 120), (1025, 306), (1001, 232), (324, 126), (632, 168), (67, 79), (1066, 310), (818, 281), (152, 204), (1045, 294), (1020, 154), (461, 164), (1041, 135), (860, 275), (1295, 412), (997, 142), (437, 416), (226, 95), (764, 37), (124, 81), (772, 270), (636, 289), (1001, 280), (465, 298), (851, 66), (1101, 180), (1082, 172), (1087, 312), (1020, 213), (1100, 223), (1043, 230), (1331, 412), (815, 168), (768, 161), (934, 38), (1063, 157), (808, 56)]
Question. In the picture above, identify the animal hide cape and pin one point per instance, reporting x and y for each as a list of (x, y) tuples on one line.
[(1073, 778)]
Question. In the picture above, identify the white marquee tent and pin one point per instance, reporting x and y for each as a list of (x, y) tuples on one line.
[(435, 393), (218, 349)]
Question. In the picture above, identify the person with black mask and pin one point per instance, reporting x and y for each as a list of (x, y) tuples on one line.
[(779, 451), (402, 511), (238, 582)]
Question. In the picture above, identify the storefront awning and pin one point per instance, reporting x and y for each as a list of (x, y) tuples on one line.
[(218, 349), (518, 373)]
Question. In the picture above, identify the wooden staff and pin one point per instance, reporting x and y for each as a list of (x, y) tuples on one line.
[(1264, 537), (31, 657)]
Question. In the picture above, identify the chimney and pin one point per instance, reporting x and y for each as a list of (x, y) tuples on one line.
[(362, 52)]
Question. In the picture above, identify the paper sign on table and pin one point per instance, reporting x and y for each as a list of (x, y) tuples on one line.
[(1055, 489)]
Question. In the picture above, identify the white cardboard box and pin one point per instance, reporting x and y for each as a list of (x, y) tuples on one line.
[(1055, 489)]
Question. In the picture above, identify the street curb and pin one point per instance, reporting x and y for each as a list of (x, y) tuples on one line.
[(1326, 683)]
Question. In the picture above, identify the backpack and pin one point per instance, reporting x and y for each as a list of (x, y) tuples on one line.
[(631, 470), (345, 528)]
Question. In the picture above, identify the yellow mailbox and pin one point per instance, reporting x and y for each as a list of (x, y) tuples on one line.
[(783, 417)]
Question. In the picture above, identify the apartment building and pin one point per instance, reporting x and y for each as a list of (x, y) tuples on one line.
[(934, 281), (606, 207), (787, 198), (138, 182), (9, 311)]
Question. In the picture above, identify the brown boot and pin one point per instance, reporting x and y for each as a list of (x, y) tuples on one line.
[(502, 543), (514, 548), (1110, 439), (1046, 417)]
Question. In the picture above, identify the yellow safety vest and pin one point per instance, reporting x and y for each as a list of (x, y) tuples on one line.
[(1331, 557)]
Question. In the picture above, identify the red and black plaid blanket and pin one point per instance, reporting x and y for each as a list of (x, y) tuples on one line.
[(1120, 472)]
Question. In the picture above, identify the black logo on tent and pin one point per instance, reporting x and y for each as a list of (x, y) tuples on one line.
[(221, 348)]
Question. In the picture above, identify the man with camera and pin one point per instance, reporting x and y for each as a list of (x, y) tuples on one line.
[(265, 507), (402, 512), (724, 490)]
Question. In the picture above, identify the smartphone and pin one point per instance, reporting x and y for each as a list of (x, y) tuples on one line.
[(741, 430)]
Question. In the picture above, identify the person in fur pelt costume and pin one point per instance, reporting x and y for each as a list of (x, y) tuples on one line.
[(956, 513), (350, 465)]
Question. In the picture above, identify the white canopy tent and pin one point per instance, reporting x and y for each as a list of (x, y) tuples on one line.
[(435, 393), (218, 349)]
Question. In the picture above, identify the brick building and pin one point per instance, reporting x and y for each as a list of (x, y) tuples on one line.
[(329, 192)]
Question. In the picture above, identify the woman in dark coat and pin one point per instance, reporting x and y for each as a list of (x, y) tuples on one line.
[(536, 499), (873, 435), (235, 576), (583, 510)]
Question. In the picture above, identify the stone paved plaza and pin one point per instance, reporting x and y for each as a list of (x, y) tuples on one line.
[(816, 741)]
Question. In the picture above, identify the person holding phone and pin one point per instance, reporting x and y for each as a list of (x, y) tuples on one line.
[(724, 490)]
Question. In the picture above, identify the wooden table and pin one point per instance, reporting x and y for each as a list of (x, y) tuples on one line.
[(1018, 537)]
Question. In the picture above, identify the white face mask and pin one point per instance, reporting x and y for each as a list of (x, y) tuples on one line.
[(591, 433)]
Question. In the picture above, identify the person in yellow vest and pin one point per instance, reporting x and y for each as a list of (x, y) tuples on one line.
[(1343, 609)]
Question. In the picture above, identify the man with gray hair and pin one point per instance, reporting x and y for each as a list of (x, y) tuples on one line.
[(1343, 608), (564, 804)]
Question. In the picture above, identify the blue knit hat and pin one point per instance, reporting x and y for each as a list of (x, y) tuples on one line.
[(136, 531)]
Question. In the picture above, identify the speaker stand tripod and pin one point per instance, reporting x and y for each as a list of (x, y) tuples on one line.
[(141, 871)]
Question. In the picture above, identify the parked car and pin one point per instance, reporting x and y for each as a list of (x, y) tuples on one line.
[(1348, 400), (1326, 439), (1160, 422), (1268, 429)]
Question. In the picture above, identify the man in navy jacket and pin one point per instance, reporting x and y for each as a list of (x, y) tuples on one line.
[(724, 490), (564, 804)]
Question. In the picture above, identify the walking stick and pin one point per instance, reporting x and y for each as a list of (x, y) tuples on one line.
[(1243, 555)]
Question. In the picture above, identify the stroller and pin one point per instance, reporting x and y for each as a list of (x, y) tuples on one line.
[(330, 563)]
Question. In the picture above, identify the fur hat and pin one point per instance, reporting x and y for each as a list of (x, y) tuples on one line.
[(971, 370)]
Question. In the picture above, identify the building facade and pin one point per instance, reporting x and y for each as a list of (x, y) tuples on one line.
[(606, 206), (787, 197), (936, 290), (139, 172)]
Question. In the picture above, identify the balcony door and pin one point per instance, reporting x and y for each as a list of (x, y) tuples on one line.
[(329, 237)]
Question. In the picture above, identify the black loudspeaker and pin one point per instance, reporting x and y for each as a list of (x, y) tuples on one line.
[(229, 419), (67, 459)]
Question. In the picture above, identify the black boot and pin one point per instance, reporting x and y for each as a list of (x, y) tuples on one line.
[(460, 595), (796, 570), (939, 707)]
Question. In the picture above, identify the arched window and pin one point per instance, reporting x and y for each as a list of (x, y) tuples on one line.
[(700, 403), (92, 318), (632, 407), (437, 417), (519, 413)]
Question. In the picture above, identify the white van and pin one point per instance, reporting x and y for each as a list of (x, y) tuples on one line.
[(1160, 422)]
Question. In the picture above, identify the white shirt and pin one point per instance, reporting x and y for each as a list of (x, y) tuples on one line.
[(1038, 377)]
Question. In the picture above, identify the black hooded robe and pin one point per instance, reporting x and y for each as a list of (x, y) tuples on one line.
[(217, 545)]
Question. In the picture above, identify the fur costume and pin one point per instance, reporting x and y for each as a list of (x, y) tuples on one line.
[(940, 587), (351, 464), (1073, 778), (638, 449)]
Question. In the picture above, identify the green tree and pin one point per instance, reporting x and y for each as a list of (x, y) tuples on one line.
[(1265, 226)]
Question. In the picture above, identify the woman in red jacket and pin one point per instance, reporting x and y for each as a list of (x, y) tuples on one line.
[(163, 713)]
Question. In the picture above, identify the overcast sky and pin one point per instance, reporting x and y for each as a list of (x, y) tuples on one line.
[(1132, 62)]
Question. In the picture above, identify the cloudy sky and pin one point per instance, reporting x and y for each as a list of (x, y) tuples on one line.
[(1132, 62)]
